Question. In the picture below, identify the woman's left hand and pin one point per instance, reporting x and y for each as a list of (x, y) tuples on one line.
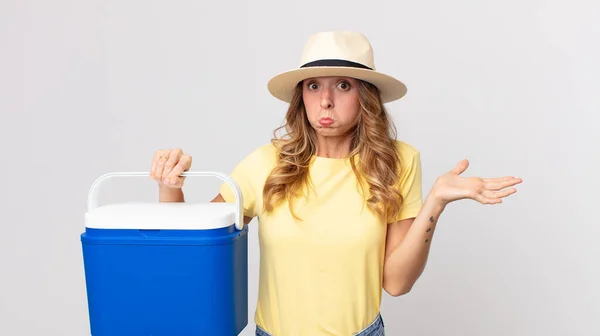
[(452, 187)]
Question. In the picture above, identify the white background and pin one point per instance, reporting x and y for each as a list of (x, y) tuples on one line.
[(89, 87)]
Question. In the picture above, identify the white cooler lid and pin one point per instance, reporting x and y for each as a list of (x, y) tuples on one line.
[(162, 216)]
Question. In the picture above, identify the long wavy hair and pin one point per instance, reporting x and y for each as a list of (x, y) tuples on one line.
[(373, 142)]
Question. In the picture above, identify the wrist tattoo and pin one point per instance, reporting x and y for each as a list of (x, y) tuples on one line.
[(431, 220)]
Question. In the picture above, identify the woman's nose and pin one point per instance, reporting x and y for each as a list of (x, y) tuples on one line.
[(326, 101)]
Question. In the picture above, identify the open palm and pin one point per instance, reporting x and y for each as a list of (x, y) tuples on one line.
[(452, 187)]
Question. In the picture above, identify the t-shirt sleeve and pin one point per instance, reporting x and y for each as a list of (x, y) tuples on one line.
[(411, 187), (244, 174)]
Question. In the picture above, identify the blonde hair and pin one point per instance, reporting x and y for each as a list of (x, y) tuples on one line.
[(373, 142)]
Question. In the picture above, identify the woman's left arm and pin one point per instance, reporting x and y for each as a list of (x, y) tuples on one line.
[(408, 241)]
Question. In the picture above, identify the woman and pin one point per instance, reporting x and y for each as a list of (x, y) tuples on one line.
[(338, 199)]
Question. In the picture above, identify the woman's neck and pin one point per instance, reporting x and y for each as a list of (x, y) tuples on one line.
[(333, 147)]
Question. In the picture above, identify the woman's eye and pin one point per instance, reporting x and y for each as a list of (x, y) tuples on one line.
[(344, 86), (312, 86)]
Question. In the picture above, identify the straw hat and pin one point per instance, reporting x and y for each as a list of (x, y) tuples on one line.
[(336, 53)]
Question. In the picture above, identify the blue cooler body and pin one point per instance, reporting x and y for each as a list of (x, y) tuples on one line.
[(172, 269)]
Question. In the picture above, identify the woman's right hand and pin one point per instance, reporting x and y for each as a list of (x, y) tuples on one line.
[(167, 167)]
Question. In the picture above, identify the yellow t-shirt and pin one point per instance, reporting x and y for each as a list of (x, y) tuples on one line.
[(322, 275)]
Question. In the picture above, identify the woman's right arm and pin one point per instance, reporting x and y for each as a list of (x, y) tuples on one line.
[(167, 167), (166, 194), (166, 170)]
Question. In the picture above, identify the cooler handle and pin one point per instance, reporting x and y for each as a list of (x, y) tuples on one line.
[(239, 213)]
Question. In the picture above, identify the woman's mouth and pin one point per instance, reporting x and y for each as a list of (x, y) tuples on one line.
[(325, 122)]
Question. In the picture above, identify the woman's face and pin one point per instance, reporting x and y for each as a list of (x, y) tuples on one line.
[(331, 103)]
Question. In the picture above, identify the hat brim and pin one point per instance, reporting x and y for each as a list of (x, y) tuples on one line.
[(282, 85)]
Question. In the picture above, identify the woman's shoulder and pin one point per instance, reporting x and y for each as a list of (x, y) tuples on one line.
[(410, 158), (265, 151), (262, 155), (406, 150)]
